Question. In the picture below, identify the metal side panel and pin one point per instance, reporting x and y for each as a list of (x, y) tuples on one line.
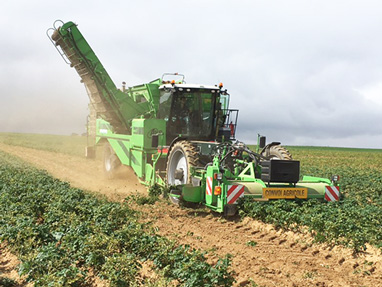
[(137, 162), (122, 149)]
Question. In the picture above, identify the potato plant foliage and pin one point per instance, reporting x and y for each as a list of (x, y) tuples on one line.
[(59, 233), (355, 220)]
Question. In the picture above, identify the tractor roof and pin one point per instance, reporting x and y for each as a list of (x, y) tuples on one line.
[(188, 86)]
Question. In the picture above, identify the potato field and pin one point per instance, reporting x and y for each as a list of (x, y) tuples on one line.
[(355, 220), (67, 232)]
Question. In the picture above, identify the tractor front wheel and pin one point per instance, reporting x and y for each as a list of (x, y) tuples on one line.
[(182, 157)]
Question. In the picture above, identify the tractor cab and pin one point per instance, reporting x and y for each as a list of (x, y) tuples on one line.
[(196, 112)]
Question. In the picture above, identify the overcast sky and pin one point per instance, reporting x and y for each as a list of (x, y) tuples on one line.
[(300, 72)]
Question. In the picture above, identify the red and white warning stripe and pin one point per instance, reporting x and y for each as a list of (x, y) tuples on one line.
[(209, 186), (332, 193), (234, 192)]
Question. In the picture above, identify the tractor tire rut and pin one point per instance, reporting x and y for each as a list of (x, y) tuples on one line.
[(261, 254)]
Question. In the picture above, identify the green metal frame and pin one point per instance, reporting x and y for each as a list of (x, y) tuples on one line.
[(127, 104), (136, 150)]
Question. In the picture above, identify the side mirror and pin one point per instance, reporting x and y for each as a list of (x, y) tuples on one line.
[(262, 141)]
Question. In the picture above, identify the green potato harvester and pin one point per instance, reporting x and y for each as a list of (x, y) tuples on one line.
[(184, 136)]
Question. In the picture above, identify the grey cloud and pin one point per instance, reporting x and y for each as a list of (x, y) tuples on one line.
[(297, 70)]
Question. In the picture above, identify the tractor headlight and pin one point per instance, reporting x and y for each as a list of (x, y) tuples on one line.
[(335, 178), (217, 190), (218, 176)]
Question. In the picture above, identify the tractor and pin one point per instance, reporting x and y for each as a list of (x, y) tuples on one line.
[(182, 135)]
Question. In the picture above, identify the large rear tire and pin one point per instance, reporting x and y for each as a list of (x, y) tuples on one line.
[(278, 152), (111, 162), (182, 157)]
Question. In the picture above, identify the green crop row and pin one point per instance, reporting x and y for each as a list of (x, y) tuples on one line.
[(348, 222), (60, 233), (354, 221)]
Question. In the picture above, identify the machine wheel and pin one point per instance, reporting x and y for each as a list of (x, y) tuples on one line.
[(110, 161), (182, 157), (278, 152)]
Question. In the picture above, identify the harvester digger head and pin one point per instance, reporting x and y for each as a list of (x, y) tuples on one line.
[(236, 172)]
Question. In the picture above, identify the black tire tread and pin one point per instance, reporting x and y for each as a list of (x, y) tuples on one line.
[(281, 152), (190, 153)]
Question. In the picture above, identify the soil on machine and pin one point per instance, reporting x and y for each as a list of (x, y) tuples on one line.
[(261, 254)]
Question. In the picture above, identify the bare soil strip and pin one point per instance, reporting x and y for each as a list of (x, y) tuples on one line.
[(8, 267), (261, 254)]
